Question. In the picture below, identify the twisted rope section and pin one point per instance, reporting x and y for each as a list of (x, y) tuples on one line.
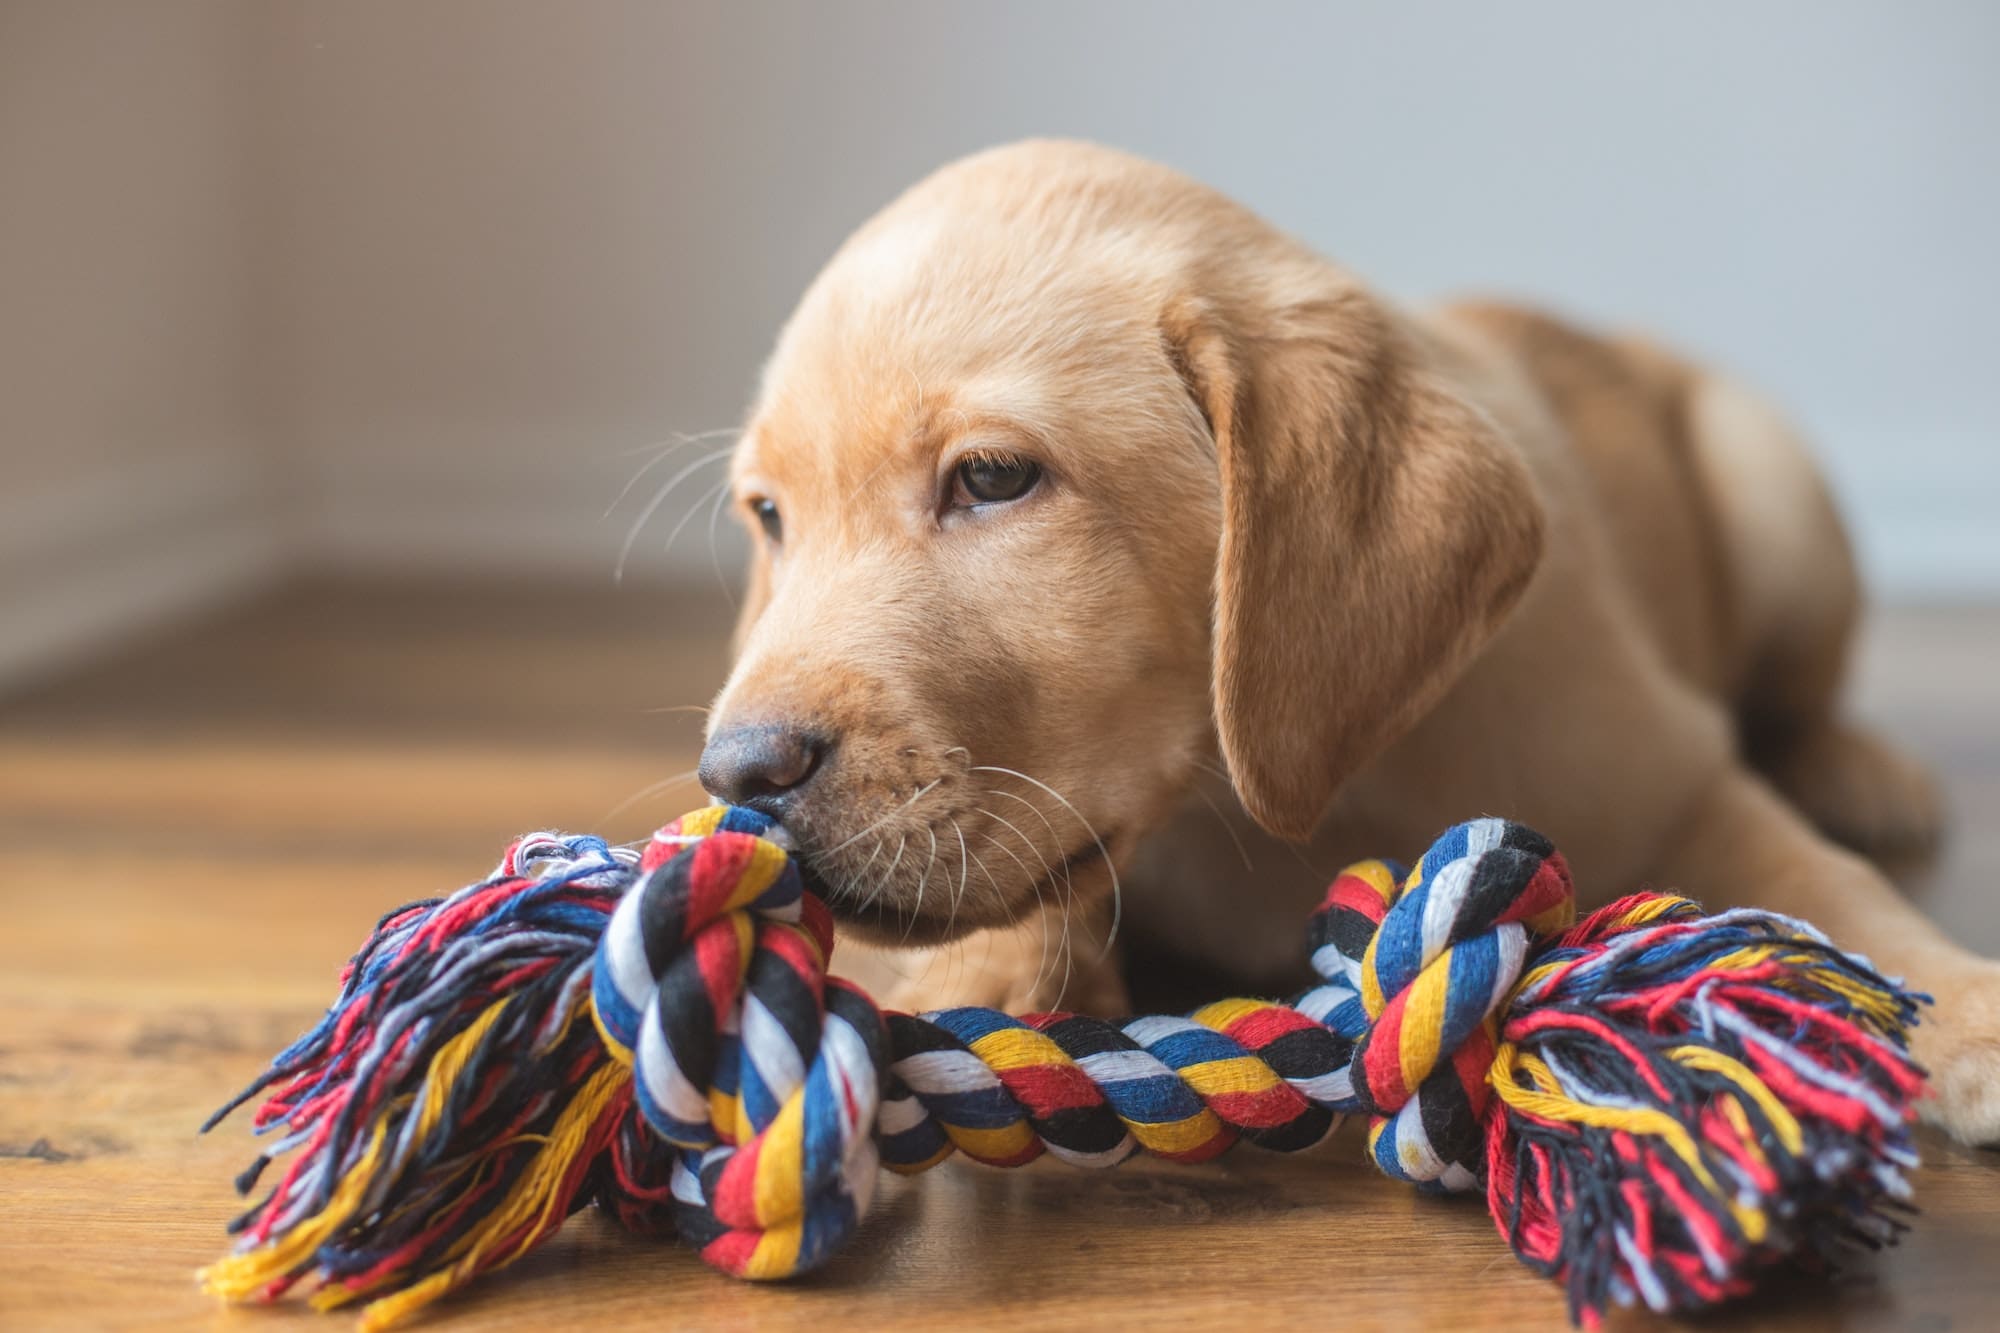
[(1004, 1090), (1416, 966), (711, 987), (1657, 1104)]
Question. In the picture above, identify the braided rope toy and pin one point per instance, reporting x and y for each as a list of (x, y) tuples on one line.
[(1657, 1104)]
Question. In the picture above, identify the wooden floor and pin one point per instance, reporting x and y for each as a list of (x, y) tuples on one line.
[(198, 831)]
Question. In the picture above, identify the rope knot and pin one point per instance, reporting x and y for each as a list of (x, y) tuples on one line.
[(765, 1076), (1416, 966), (1660, 1105)]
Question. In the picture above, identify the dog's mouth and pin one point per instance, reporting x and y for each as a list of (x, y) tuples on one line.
[(940, 916)]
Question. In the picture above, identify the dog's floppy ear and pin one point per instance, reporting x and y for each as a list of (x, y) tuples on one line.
[(1375, 532)]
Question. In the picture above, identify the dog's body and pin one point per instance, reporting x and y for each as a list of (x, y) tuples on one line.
[(1392, 570)]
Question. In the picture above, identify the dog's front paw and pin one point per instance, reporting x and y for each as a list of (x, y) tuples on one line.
[(1959, 1043)]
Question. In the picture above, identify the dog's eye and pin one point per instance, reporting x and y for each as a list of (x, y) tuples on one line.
[(767, 517), (995, 478)]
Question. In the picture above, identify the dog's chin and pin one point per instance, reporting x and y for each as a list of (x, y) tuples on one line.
[(881, 926), (884, 920), (890, 919)]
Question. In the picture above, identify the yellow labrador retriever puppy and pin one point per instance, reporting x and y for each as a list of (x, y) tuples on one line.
[(1117, 553)]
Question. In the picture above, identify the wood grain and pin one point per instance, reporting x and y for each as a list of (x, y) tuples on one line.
[(198, 833)]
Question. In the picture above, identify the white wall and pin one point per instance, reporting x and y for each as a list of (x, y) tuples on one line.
[(524, 238), (417, 275), (133, 482)]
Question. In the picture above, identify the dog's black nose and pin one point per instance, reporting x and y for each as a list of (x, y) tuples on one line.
[(762, 766)]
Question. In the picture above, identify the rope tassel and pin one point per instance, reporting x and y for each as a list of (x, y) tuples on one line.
[(1658, 1105)]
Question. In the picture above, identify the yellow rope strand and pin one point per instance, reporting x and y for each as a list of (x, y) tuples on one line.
[(529, 1209)]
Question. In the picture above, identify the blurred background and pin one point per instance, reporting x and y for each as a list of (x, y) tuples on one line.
[(345, 344), (404, 286), (334, 332)]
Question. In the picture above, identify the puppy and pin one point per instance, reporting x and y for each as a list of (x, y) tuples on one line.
[(1117, 554)]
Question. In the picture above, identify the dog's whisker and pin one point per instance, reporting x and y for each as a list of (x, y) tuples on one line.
[(1041, 903), (715, 556), (644, 470), (660, 498), (999, 896), (678, 708), (661, 451), (680, 439), (929, 861), (1227, 827), (857, 876), (915, 914), (882, 881), (917, 796), (959, 896), (1117, 888), (1069, 878), (1068, 890), (1048, 871), (1041, 909), (1212, 768), (1035, 809), (1034, 882), (1067, 885), (873, 895), (1064, 953), (1009, 853), (1299, 855), (650, 789), (1069, 949), (890, 873), (693, 509), (992, 884)]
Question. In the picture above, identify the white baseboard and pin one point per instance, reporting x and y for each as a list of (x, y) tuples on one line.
[(88, 564)]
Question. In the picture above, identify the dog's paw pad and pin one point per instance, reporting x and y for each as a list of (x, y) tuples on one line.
[(1958, 1042)]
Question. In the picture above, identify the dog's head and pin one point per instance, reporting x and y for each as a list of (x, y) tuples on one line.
[(1065, 470)]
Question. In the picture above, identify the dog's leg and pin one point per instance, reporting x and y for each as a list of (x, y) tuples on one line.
[(1744, 846), (1797, 607), (1859, 789)]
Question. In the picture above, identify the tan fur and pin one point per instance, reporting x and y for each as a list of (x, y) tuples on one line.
[(1303, 566)]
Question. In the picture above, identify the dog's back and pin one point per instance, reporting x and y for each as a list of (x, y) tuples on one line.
[(1724, 534)]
